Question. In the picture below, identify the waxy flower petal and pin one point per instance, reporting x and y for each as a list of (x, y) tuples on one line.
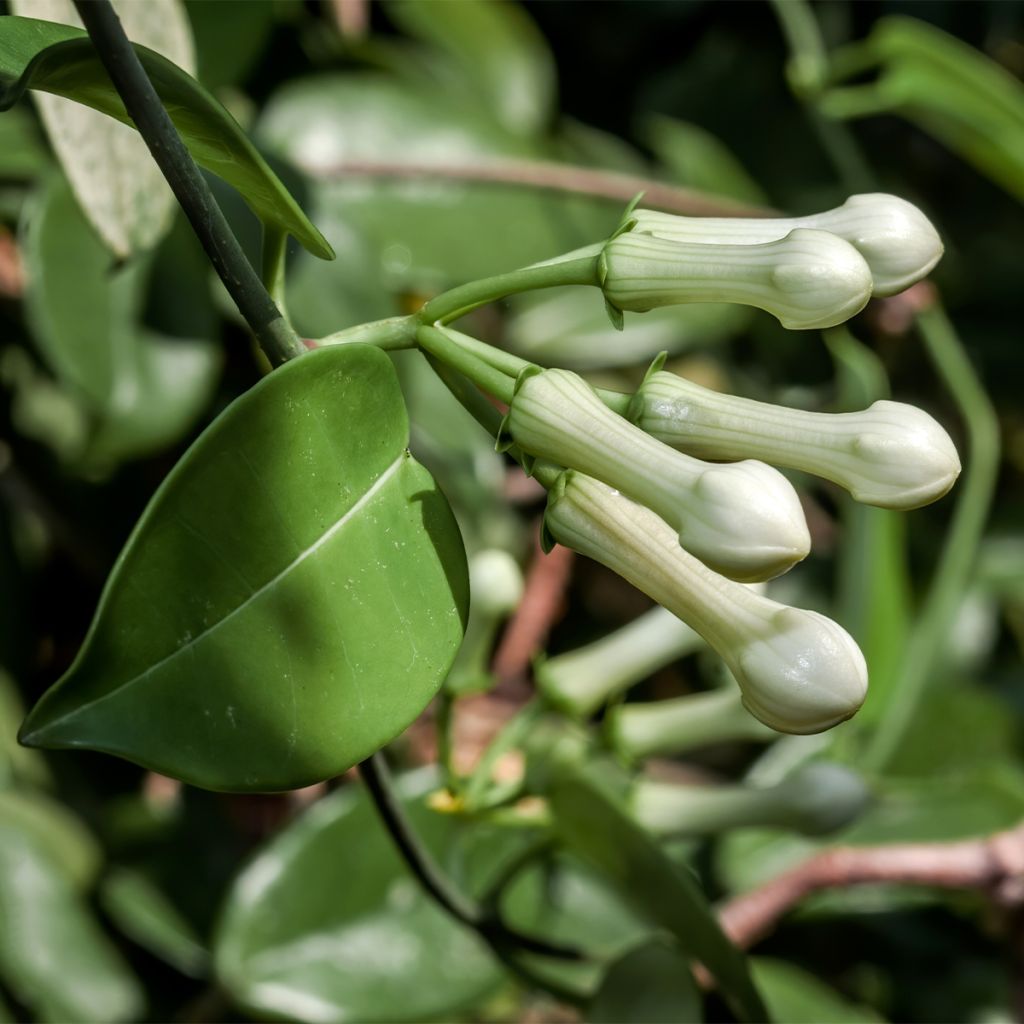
[(896, 239), (742, 519), (891, 454), (799, 672)]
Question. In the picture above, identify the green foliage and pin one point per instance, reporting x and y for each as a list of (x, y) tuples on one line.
[(299, 509)]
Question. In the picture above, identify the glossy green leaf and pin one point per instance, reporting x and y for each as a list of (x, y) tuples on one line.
[(55, 831), (144, 914), (425, 232), (60, 59), (601, 833), (142, 389), (290, 600), (796, 996), (945, 86), (54, 958), (649, 985), (500, 55), (117, 182), (364, 943)]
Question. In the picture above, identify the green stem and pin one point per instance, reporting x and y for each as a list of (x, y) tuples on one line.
[(276, 336), (928, 640), (513, 732), (442, 346), (272, 257), (390, 334), (574, 269), (496, 357), (377, 778), (443, 725)]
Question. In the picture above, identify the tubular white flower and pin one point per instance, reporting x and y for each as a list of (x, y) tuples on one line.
[(896, 239), (742, 519), (891, 454), (806, 279), (799, 672)]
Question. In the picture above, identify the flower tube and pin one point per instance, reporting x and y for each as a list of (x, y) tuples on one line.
[(798, 671), (806, 279), (743, 519), (891, 454), (896, 239)]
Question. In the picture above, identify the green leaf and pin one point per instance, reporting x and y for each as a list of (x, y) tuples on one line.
[(55, 832), (425, 232), (649, 985), (600, 832), (290, 600), (365, 943), (117, 182), (145, 914), (500, 55), (53, 956), (144, 390), (798, 997), (17, 764), (61, 60)]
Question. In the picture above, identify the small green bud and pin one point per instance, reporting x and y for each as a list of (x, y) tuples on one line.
[(806, 279), (743, 519), (799, 672), (896, 239), (815, 800), (891, 454)]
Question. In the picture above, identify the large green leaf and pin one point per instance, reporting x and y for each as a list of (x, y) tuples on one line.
[(60, 59), (364, 943), (651, 984), (501, 57), (53, 956), (796, 996), (117, 182), (290, 600), (143, 390), (593, 825)]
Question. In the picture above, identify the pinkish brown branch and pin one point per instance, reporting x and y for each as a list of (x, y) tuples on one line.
[(555, 177)]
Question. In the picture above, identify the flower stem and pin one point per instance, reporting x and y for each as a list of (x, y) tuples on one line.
[(440, 344), (275, 335)]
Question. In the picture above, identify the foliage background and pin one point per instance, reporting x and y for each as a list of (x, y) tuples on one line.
[(147, 865)]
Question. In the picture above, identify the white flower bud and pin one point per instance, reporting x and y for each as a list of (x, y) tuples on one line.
[(896, 239), (806, 279), (742, 519), (891, 454), (799, 672), (495, 582)]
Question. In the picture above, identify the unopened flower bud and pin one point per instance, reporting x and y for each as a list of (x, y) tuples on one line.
[(806, 279), (799, 672), (742, 519), (815, 800), (890, 454), (495, 582), (896, 239)]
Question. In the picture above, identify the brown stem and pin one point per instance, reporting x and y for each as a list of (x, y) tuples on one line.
[(611, 185)]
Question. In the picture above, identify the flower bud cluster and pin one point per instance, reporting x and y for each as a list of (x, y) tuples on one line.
[(814, 271)]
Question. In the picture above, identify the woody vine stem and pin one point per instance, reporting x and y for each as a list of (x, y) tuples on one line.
[(280, 343)]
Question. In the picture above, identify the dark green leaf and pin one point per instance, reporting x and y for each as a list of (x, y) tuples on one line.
[(53, 956), (290, 600), (501, 57), (795, 996), (142, 389), (365, 943), (649, 985), (61, 60), (117, 182), (146, 915), (600, 832)]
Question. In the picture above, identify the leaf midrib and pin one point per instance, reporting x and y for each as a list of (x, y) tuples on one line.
[(367, 496)]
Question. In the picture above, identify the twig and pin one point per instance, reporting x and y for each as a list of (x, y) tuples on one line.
[(611, 185), (527, 631), (190, 188), (994, 864)]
